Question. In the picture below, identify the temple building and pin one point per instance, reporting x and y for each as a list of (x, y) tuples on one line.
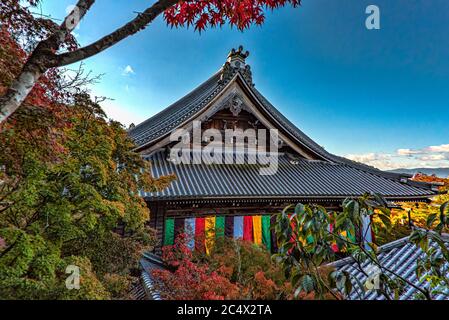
[(236, 198)]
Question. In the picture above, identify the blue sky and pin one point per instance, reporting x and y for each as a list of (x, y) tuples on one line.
[(377, 96)]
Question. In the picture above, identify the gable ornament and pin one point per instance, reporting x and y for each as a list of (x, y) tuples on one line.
[(236, 105)]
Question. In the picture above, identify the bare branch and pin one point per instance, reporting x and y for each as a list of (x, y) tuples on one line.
[(74, 79), (100, 99)]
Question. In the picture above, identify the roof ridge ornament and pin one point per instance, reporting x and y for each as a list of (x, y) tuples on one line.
[(236, 62), (236, 56)]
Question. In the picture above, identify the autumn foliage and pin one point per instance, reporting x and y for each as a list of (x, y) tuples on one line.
[(443, 182), (413, 214), (67, 185), (68, 175), (239, 13), (236, 269), (12, 58)]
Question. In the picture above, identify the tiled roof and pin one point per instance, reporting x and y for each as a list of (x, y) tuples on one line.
[(148, 263), (400, 257), (180, 111), (195, 102), (138, 291), (295, 178)]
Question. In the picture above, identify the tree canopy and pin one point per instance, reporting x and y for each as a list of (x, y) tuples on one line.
[(69, 194)]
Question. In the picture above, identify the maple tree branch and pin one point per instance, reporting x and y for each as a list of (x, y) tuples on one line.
[(130, 28)]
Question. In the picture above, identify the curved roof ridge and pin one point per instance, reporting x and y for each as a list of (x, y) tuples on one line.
[(178, 103)]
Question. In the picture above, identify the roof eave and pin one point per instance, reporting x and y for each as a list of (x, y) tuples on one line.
[(323, 198)]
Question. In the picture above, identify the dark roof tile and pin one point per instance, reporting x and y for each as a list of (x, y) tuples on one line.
[(301, 178), (400, 257)]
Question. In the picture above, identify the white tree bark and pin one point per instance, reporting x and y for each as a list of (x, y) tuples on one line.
[(17, 93), (38, 62), (44, 57)]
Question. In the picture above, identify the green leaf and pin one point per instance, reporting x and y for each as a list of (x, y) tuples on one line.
[(307, 283), (424, 244), (348, 283), (295, 278), (371, 203), (431, 219), (381, 200), (385, 220), (299, 209), (340, 219), (443, 209)]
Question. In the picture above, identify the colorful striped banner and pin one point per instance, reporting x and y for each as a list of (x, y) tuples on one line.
[(266, 234), (169, 234), (190, 232), (210, 234), (274, 243), (257, 230), (238, 227), (229, 226), (200, 226), (220, 226), (201, 233), (248, 228)]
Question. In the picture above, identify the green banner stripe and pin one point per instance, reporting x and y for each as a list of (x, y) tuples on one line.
[(219, 226), (169, 236), (266, 233)]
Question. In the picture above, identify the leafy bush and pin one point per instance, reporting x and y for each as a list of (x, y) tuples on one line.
[(400, 221), (117, 285), (235, 269)]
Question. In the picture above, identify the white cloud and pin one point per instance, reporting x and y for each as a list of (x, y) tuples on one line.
[(407, 152), (441, 148), (128, 70), (367, 157), (432, 156), (378, 160)]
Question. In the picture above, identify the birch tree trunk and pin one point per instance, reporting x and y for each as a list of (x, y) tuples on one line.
[(44, 56), (17, 93), (38, 62)]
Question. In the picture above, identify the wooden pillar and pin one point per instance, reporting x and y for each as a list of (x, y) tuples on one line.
[(157, 219)]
